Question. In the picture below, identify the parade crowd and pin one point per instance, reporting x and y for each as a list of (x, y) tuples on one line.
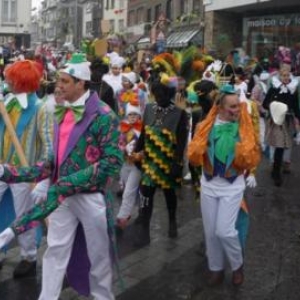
[(74, 127)]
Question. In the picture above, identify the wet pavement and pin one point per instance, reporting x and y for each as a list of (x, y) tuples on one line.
[(175, 269)]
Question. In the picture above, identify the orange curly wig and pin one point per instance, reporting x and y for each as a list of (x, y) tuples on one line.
[(23, 76), (247, 152)]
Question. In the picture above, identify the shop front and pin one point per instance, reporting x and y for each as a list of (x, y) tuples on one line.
[(264, 34)]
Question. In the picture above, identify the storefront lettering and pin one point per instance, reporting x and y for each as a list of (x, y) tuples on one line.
[(270, 22)]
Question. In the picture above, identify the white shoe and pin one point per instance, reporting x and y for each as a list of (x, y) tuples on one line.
[(6, 237)]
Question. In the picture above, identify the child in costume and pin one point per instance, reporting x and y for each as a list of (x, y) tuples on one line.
[(33, 127), (86, 156), (130, 129), (281, 125), (130, 92)]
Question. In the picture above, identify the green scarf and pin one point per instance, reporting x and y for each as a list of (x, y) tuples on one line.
[(225, 137)]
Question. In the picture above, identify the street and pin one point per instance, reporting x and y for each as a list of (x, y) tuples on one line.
[(175, 269)]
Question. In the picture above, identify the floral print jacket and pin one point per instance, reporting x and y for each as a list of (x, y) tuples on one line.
[(91, 158)]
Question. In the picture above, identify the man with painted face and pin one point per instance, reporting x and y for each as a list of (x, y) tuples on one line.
[(161, 146), (225, 146)]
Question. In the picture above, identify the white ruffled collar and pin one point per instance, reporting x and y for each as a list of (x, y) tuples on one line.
[(22, 99), (285, 88)]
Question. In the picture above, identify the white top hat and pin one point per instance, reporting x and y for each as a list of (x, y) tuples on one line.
[(278, 111)]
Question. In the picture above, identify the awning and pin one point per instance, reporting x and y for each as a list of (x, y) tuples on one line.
[(144, 40), (143, 43), (132, 39), (180, 39)]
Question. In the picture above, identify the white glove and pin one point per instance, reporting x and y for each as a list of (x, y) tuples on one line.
[(297, 138), (217, 65), (39, 193), (6, 237), (130, 147), (251, 181)]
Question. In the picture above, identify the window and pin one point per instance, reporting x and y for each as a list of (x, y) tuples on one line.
[(169, 9), (9, 11), (88, 27), (121, 25), (131, 20), (112, 25), (157, 11), (140, 16), (149, 15), (196, 6), (112, 4), (121, 4), (184, 6)]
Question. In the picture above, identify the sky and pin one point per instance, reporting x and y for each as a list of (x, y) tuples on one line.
[(35, 3)]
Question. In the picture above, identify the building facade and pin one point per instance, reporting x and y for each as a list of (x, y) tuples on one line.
[(15, 23), (259, 27), (64, 23), (176, 23)]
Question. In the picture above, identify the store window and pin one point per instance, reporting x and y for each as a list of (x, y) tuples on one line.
[(263, 35)]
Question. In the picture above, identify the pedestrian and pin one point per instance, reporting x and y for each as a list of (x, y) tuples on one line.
[(130, 128), (161, 147), (104, 90), (86, 156), (225, 146), (258, 95), (283, 104), (114, 77), (33, 127)]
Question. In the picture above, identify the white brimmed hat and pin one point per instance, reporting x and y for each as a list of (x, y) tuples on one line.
[(131, 76), (278, 111), (78, 67), (132, 109)]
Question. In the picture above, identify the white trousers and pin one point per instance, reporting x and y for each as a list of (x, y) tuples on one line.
[(130, 177), (90, 211), (219, 215), (22, 203), (262, 131)]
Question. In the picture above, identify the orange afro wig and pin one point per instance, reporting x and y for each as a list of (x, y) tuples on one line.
[(23, 76)]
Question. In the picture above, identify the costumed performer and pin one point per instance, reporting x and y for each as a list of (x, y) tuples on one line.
[(33, 126), (130, 128), (161, 147), (86, 156), (283, 104), (225, 146)]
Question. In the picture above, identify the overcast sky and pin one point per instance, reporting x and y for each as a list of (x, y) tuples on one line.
[(35, 3)]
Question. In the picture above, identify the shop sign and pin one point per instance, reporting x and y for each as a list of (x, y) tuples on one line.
[(281, 21)]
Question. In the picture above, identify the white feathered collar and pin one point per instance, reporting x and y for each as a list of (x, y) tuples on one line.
[(22, 99), (285, 88)]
